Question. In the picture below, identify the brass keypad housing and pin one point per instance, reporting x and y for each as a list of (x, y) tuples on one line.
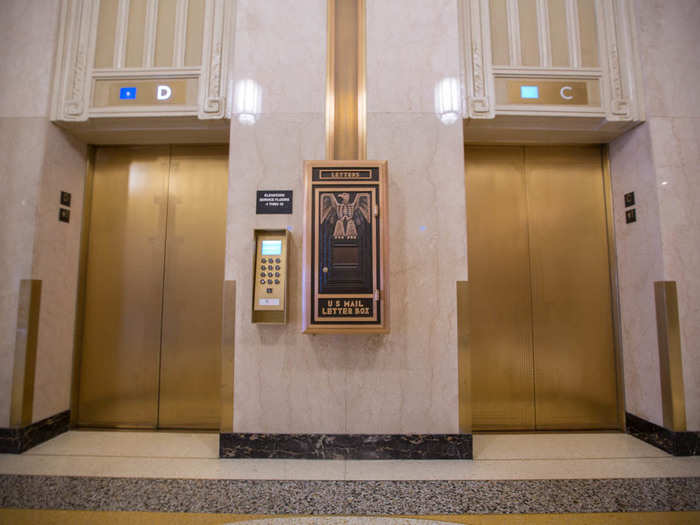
[(270, 276)]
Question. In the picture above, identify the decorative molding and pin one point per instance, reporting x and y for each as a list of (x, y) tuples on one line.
[(215, 58), (74, 74), (675, 443), (544, 40), (180, 37), (81, 15), (120, 31), (572, 30), (513, 16), (18, 440), (476, 43), (149, 38), (346, 446)]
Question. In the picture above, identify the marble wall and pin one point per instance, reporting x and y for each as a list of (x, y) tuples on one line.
[(404, 382), (660, 161), (39, 160)]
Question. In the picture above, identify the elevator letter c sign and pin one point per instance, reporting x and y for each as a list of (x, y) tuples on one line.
[(563, 91), (164, 92)]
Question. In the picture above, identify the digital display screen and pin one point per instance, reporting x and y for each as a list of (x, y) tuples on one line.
[(529, 92), (127, 93), (272, 248)]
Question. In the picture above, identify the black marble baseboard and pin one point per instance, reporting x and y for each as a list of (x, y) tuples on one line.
[(346, 446), (350, 498), (17, 440), (676, 443)]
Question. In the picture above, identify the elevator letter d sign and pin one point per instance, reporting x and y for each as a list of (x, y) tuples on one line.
[(163, 92)]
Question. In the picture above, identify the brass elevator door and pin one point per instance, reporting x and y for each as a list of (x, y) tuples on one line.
[(155, 268), (541, 332)]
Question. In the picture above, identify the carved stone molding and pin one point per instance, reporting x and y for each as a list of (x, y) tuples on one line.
[(478, 77), (75, 73)]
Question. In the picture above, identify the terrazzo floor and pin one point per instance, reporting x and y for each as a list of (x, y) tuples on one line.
[(110, 474)]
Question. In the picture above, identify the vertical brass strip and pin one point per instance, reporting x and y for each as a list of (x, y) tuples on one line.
[(670, 361), (345, 81), (26, 338), (614, 286), (82, 275), (361, 80), (464, 358), (228, 332), (330, 80)]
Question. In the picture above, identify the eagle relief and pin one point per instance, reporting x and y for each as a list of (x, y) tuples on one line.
[(345, 215)]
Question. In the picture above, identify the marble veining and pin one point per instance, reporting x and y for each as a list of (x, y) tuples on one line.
[(676, 443), (17, 440), (350, 497), (346, 446)]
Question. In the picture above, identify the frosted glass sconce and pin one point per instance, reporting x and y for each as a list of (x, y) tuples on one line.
[(247, 101), (447, 100)]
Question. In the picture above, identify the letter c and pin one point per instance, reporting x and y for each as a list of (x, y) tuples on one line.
[(565, 96)]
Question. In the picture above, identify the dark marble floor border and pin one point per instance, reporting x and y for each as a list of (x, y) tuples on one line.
[(676, 443), (350, 497), (346, 446), (17, 440)]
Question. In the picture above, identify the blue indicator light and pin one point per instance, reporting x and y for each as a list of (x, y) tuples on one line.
[(127, 93), (529, 92)]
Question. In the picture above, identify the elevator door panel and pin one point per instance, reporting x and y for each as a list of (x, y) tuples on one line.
[(571, 302), (124, 286), (194, 273), (541, 311), (500, 323), (155, 268)]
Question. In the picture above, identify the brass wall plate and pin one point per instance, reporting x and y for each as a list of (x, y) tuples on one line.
[(345, 260)]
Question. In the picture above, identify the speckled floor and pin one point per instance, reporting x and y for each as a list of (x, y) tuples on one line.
[(511, 475)]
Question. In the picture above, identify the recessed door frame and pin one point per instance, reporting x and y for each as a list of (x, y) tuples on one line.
[(225, 408), (614, 281)]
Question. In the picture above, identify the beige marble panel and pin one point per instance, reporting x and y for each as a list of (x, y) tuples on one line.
[(411, 46), (678, 177), (639, 249), (285, 382), (55, 262), (668, 48), (282, 46), (28, 35), (22, 143)]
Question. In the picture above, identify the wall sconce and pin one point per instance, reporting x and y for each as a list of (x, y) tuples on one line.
[(447, 100), (247, 101)]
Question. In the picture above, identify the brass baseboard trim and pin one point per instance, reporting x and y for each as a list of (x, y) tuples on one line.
[(26, 339), (670, 359), (464, 358), (228, 331)]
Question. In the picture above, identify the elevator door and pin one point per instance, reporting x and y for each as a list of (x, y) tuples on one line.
[(541, 332), (155, 269)]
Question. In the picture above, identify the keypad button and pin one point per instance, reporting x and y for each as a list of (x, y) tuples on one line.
[(262, 281), (269, 274), (277, 267), (276, 260), (277, 274), (262, 274), (269, 281), (263, 267), (277, 281), (269, 290), (263, 260)]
